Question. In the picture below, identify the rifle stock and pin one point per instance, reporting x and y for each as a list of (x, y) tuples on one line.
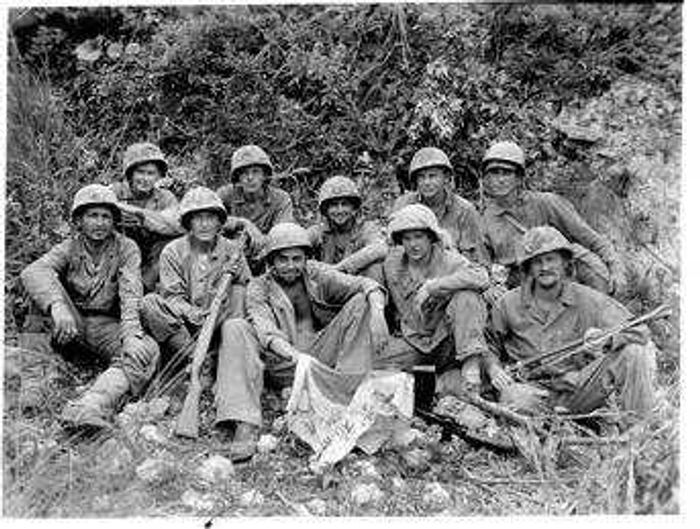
[(188, 420)]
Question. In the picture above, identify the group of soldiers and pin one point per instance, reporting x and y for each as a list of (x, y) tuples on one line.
[(443, 285)]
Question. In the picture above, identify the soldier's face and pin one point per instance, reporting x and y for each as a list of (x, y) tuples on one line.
[(431, 181), (205, 225), (97, 223), (340, 211), (500, 180), (143, 178), (252, 178), (548, 269), (288, 264), (416, 244)]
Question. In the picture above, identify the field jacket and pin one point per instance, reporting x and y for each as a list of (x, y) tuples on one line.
[(271, 312), (109, 286), (275, 207), (363, 245)]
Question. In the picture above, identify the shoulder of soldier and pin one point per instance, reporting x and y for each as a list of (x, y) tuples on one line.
[(540, 197), (176, 247), (408, 198), (463, 203), (592, 300), (165, 196), (278, 196), (511, 300)]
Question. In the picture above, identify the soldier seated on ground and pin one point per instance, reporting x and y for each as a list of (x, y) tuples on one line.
[(191, 268), (510, 210), (343, 239), (298, 305), (87, 290), (149, 213), (252, 204), (435, 294), (549, 310)]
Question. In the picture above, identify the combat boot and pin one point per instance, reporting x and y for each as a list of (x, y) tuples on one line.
[(96, 406), (244, 442), (36, 370)]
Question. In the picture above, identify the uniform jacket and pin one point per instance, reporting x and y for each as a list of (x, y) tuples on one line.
[(275, 207), (539, 209), (272, 314), (161, 217), (450, 272), (522, 332), (110, 286), (459, 217), (363, 245), (189, 286)]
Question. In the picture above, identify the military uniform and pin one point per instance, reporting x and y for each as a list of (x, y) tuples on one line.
[(594, 253), (159, 226), (582, 383), (340, 338), (447, 329), (275, 207), (102, 292)]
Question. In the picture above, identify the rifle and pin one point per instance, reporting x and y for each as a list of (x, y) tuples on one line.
[(188, 420), (574, 347)]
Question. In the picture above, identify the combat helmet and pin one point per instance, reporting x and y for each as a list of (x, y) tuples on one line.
[(200, 199), (249, 155), (338, 187), (504, 151), (541, 240), (286, 235), (429, 157), (139, 153), (414, 217), (95, 195)]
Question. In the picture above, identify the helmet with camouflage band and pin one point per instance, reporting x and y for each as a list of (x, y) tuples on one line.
[(286, 235), (541, 240), (250, 155), (200, 199), (338, 187), (95, 195), (502, 152), (140, 153)]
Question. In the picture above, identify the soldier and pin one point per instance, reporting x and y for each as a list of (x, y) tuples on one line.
[(343, 239), (510, 210), (149, 213), (90, 286), (435, 294), (190, 270), (253, 205), (298, 305), (549, 310), (431, 173)]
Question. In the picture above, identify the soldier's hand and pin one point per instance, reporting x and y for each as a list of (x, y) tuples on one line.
[(284, 349), (500, 379), (136, 349), (65, 324), (593, 341), (524, 398), (494, 293), (378, 331), (617, 280), (234, 266)]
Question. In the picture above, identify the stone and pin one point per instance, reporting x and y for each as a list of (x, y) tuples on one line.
[(367, 469), (365, 493), (215, 469), (152, 434), (115, 458), (317, 506), (252, 498), (435, 495), (155, 471), (417, 458), (267, 443), (198, 501), (404, 437)]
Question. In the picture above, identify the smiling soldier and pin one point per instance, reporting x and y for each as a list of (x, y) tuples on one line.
[(149, 213)]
